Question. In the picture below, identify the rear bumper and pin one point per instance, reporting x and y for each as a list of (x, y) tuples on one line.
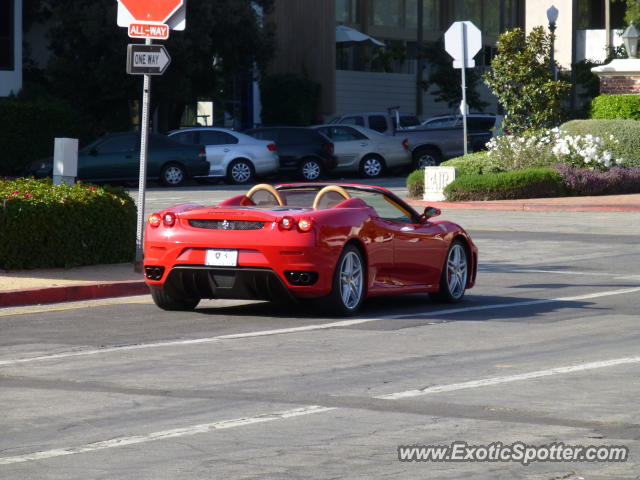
[(187, 281), (262, 272)]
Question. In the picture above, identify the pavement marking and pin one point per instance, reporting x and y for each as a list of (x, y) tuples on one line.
[(302, 411), (307, 328), (77, 305), (561, 232), (487, 382), (526, 303), (164, 435)]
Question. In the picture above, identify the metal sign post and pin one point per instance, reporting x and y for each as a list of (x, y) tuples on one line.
[(148, 19), (142, 181), (462, 41)]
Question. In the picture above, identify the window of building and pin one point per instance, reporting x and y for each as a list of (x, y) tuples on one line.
[(346, 11), (387, 13), (591, 14), (6, 35), (430, 15)]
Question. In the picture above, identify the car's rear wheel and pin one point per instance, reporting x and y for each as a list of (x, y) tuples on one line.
[(348, 282), (240, 172), (167, 302), (371, 166), (455, 273), (426, 157), (310, 169), (172, 175)]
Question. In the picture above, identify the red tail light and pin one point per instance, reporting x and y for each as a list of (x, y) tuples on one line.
[(271, 147), (405, 144), (155, 220), (169, 219), (328, 148), (202, 153), (304, 225), (286, 223)]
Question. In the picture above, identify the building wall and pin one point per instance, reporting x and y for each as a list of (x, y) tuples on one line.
[(11, 80), (536, 15), (376, 92), (305, 37)]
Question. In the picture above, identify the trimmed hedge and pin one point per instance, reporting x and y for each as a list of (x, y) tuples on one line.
[(415, 184), (609, 107), (473, 164), (45, 226), (529, 183), (627, 132), (289, 99), (28, 131)]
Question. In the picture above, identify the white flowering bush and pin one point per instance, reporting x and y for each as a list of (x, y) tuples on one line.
[(552, 147)]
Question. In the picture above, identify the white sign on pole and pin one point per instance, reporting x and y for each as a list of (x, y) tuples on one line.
[(463, 50), (462, 41)]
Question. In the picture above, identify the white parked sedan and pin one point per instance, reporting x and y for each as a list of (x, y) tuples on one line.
[(366, 151), (234, 156)]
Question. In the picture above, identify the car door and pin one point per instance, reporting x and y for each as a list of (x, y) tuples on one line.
[(116, 157), (349, 145), (418, 248), (218, 145)]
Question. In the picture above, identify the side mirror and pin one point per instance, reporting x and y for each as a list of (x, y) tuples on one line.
[(430, 212)]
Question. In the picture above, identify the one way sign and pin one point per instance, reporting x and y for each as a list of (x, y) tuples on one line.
[(147, 59)]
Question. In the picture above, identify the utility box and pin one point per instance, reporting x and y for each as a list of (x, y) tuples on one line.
[(65, 161)]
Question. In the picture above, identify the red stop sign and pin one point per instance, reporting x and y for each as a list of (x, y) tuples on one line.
[(151, 10)]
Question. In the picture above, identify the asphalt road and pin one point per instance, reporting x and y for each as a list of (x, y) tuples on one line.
[(545, 349)]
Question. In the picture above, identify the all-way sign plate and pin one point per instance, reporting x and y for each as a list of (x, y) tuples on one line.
[(147, 59)]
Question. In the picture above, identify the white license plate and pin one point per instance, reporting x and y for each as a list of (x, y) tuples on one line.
[(221, 258)]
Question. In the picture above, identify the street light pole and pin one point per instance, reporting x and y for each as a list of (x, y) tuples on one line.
[(552, 16)]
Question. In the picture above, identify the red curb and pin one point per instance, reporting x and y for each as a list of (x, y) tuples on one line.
[(68, 293)]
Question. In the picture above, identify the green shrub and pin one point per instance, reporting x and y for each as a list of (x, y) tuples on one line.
[(611, 107), (529, 183), (289, 99), (626, 132), (415, 184), (28, 131), (473, 164), (45, 226)]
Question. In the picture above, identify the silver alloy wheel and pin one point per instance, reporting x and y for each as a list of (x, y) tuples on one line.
[(457, 270), (372, 167), (241, 172), (351, 280), (173, 175), (311, 170)]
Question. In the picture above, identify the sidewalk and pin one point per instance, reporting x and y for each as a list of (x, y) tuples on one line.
[(31, 287), (606, 203)]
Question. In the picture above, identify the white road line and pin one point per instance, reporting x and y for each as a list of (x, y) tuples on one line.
[(307, 410), (497, 306), (487, 382), (309, 328), (163, 435)]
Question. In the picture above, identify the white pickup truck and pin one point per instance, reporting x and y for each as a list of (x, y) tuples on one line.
[(429, 146)]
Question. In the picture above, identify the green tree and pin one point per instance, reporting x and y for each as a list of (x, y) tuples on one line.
[(632, 14), (89, 54), (521, 81), (448, 80)]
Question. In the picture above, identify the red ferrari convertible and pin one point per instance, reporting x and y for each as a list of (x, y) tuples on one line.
[(339, 242)]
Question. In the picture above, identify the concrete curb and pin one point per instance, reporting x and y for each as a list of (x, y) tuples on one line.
[(68, 293)]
